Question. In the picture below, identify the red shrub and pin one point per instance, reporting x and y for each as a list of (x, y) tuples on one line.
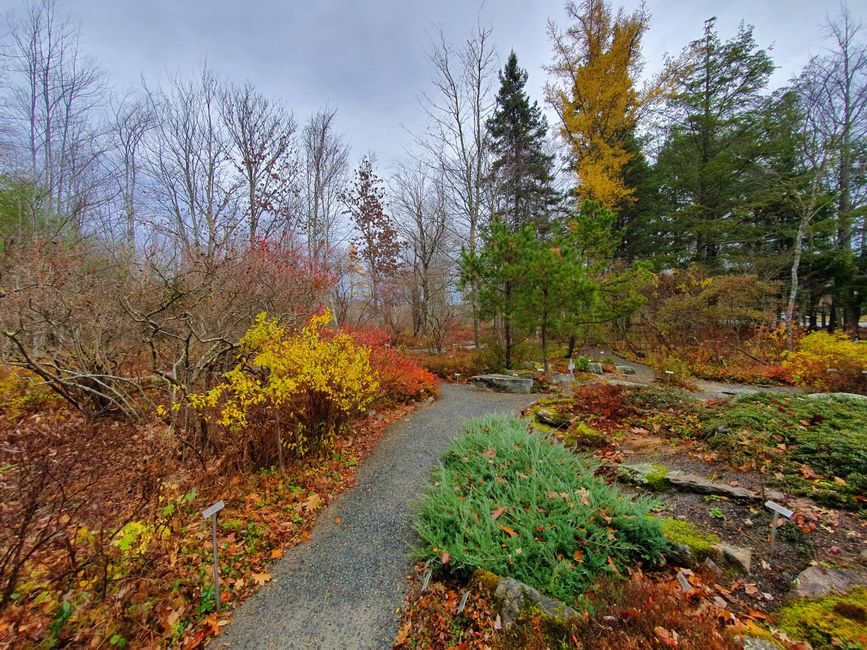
[(401, 379)]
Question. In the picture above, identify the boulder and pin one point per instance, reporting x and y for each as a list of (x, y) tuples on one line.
[(817, 581), (738, 558), (552, 418), (504, 383), (514, 597), (626, 370), (595, 367), (755, 643)]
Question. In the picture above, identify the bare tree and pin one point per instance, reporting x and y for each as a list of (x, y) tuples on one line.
[(419, 204), (262, 136), (190, 169), (458, 108), (130, 120), (52, 94), (324, 169)]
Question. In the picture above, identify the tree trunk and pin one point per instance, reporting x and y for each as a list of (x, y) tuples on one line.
[(793, 290)]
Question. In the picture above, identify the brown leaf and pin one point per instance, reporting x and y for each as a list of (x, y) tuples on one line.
[(276, 553), (312, 502), (509, 531), (579, 556), (496, 513), (445, 557), (584, 493)]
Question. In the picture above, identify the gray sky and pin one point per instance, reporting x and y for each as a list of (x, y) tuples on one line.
[(368, 58)]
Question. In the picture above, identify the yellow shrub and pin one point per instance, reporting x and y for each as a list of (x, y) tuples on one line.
[(290, 392), (828, 362)]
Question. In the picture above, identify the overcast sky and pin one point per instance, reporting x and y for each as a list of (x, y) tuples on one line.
[(368, 57)]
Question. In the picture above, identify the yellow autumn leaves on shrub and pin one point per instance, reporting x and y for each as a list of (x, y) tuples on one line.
[(828, 362), (289, 392)]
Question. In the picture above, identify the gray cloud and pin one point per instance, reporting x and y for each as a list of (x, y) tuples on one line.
[(369, 58)]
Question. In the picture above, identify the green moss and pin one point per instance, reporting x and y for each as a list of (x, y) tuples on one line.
[(836, 621), (686, 534), (656, 479)]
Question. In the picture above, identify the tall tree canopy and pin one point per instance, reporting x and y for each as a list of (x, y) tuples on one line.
[(521, 171), (597, 60), (714, 136)]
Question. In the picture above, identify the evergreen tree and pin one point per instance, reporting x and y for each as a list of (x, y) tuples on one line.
[(521, 172), (714, 138)]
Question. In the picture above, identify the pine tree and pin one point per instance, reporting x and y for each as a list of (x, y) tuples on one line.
[(521, 172)]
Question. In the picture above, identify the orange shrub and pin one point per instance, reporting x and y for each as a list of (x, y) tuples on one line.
[(400, 378), (828, 362)]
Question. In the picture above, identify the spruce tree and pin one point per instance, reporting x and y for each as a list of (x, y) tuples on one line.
[(521, 172)]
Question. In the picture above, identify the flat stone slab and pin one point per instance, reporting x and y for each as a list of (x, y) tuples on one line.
[(626, 370), (656, 476), (830, 395), (595, 368), (504, 383), (817, 581)]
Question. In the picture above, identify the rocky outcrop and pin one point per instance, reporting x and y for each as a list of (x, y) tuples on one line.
[(660, 477), (831, 395), (817, 581), (514, 597), (626, 370), (503, 383), (552, 418), (595, 368)]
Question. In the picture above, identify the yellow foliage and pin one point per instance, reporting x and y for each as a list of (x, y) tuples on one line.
[(303, 387), (828, 362), (598, 61)]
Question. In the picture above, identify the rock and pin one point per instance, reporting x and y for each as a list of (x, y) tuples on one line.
[(514, 597), (863, 556), (626, 370), (552, 418), (755, 643), (679, 555), (562, 379), (430, 400), (659, 477), (595, 367), (528, 365), (817, 581), (503, 383), (739, 558), (830, 395)]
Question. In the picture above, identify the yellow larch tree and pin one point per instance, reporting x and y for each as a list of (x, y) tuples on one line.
[(597, 60)]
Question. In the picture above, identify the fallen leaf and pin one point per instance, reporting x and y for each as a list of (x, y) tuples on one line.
[(496, 513), (584, 493), (579, 556), (403, 635), (445, 557), (261, 578), (276, 553), (509, 531), (312, 502)]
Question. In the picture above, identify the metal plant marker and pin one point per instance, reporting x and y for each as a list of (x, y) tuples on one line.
[(212, 513), (778, 510), (463, 602), (668, 375), (684, 582), (426, 581), (571, 367)]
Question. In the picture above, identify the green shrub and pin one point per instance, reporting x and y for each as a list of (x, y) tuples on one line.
[(827, 436), (582, 364), (519, 504)]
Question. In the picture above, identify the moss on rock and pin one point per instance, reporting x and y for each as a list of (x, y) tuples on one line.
[(682, 533), (836, 621)]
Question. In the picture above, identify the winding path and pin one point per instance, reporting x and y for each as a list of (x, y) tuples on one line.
[(341, 589)]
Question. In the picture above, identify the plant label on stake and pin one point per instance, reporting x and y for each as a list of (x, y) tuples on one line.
[(668, 375), (684, 582), (212, 513), (571, 366), (778, 510)]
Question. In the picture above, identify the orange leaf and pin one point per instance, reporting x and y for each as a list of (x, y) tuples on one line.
[(261, 578), (276, 553), (612, 565), (579, 556), (403, 635), (509, 531)]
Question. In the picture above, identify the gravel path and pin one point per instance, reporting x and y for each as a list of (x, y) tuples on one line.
[(341, 589)]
